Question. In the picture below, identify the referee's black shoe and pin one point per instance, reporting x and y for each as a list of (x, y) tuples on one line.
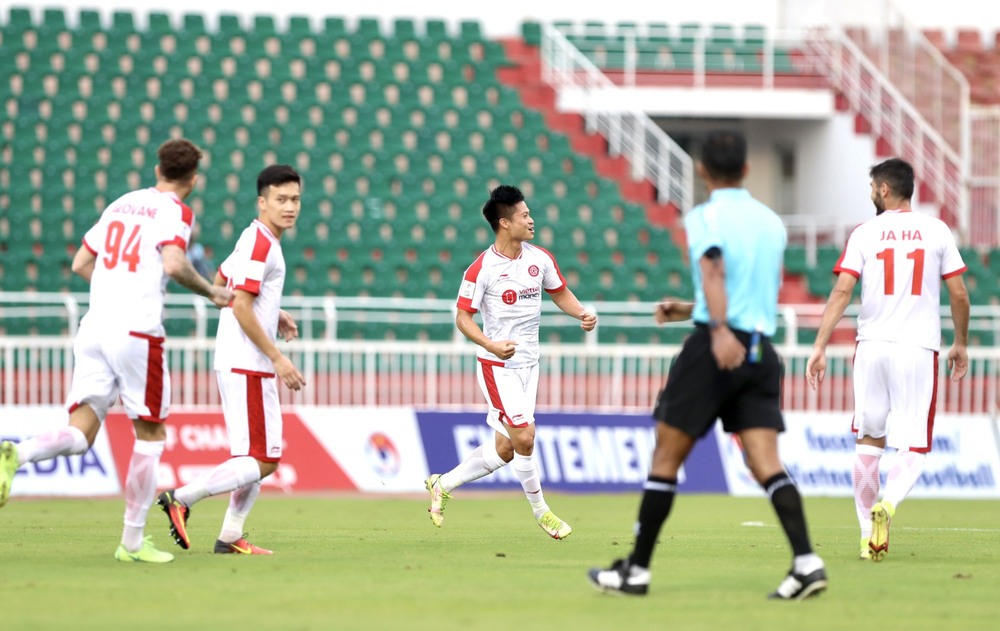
[(621, 578), (800, 586)]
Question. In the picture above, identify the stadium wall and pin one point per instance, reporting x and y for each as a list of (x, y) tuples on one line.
[(392, 450)]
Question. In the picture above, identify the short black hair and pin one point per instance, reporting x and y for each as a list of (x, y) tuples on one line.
[(179, 159), (501, 204), (898, 174), (724, 155), (276, 175)]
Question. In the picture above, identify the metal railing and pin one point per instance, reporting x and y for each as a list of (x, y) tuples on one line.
[(653, 155), (441, 376)]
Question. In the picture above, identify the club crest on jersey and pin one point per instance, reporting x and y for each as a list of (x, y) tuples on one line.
[(509, 297), (533, 270)]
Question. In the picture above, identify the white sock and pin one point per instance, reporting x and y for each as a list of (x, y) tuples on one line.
[(483, 461), (228, 476), (140, 488), (903, 476), (866, 483), (805, 564), (527, 473), (240, 502), (65, 441)]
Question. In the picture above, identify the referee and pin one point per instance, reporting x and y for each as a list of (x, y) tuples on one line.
[(727, 368)]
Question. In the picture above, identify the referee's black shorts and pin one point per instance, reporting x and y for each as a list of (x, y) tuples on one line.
[(698, 392)]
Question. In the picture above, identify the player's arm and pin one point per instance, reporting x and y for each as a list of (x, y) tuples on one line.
[(836, 304), (671, 310), (567, 302), (504, 349), (178, 267), (958, 355), (83, 263), (243, 310), (219, 280), (728, 351)]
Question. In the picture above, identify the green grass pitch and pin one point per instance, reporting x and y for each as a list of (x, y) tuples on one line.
[(363, 562)]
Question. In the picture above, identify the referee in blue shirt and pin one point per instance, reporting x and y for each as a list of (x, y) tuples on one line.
[(727, 368)]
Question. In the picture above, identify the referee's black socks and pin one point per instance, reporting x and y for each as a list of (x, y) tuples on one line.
[(788, 505), (657, 499)]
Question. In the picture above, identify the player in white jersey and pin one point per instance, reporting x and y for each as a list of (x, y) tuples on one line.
[(901, 258), (505, 285), (138, 243), (248, 364)]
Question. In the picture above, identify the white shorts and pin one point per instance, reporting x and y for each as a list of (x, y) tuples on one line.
[(253, 413), (895, 393), (108, 364), (511, 394)]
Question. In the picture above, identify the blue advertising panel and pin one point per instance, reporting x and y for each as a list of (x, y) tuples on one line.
[(575, 452)]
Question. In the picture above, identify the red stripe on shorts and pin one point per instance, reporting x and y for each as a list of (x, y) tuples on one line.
[(491, 388), (154, 377), (931, 412), (256, 418)]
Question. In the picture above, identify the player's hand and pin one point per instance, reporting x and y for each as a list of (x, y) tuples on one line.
[(816, 367), (729, 353), (588, 321), (503, 349), (287, 329), (220, 296), (670, 310), (958, 362), (289, 374)]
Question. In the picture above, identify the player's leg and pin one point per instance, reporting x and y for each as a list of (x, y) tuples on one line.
[(913, 394), (631, 575), (243, 407), (232, 538), (872, 375), (139, 362), (481, 461), (684, 410), (91, 394), (808, 573)]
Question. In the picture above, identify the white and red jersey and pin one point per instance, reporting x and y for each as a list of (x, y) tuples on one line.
[(508, 292), (901, 258), (256, 266), (129, 284)]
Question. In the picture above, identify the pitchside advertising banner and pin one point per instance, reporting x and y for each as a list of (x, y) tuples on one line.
[(392, 450)]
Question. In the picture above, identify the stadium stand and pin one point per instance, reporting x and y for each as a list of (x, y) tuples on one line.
[(398, 136), (398, 130)]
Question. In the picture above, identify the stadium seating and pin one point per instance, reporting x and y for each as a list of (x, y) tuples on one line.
[(397, 129)]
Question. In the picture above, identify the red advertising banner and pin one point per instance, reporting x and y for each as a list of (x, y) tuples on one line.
[(198, 441)]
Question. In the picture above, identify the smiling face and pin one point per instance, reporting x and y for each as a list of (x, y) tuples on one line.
[(279, 206), (520, 224)]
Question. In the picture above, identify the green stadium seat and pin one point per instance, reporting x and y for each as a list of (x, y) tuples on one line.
[(435, 29), (193, 24), (299, 26), (53, 19), (122, 23), (229, 25), (19, 20), (159, 24), (470, 31), (532, 33)]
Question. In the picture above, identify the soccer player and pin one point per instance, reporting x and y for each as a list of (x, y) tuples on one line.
[(901, 257), (505, 285), (726, 369), (248, 364), (128, 256)]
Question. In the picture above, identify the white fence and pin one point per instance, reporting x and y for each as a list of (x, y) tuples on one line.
[(36, 371)]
